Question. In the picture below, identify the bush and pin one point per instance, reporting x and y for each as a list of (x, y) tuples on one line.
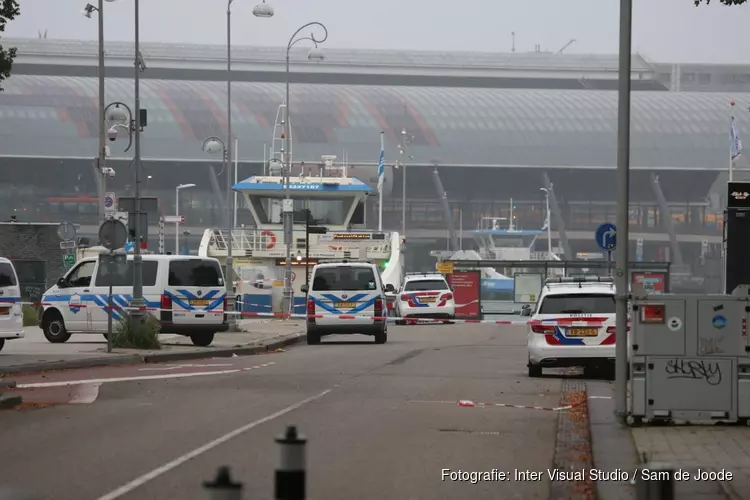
[(30, 316), (144, 335)]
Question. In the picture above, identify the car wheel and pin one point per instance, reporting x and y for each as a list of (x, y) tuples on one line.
[(400, 322), (54, 328), (202, 339), (2, 344), (535, 371), (381, 337), (313, 338)]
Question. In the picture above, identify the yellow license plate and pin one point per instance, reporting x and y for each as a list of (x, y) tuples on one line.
[(4, 311), (199, 302), (346, 305), (427, 299), (583, 332)]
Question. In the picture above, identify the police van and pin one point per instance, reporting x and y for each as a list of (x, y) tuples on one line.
[(346, 298), (186, 294), (11, 313), (573, 325)]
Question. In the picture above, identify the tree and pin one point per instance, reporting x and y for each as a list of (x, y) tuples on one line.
[(725, 2), (8, 11)]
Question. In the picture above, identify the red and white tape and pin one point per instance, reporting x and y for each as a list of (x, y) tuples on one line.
[(467, 403)]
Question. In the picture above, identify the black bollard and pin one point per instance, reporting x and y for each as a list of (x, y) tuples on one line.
[(222, 487), (659, 486), (290, 476)]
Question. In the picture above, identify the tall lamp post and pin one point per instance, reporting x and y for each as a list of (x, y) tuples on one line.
[(177, 214), (214, 145), (548, 223), (315, 54), (101, 159)]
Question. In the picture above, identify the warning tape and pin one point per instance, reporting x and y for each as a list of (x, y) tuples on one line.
[(590, 322), (467, 403)]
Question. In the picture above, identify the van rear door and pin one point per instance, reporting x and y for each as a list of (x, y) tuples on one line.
[(347, 290), (197, 292), (11, 316)]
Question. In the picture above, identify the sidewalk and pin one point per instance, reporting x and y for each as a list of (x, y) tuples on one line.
[(705, 447), (35, 353)]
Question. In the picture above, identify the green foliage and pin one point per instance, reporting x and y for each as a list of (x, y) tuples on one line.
[(30, 316), (142, 335), (8, 11), (725, 2)]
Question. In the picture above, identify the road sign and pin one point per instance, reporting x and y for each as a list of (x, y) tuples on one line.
[(109, 203), (113, 234), (68, 260), (445, 267), (606, 236), (66, 231), (67, 245), (174, 218)]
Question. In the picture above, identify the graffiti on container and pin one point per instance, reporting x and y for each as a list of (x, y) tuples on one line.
[(710, 345), (695, 369)]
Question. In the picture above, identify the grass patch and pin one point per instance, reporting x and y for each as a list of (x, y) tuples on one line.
[(143, 335), (30, 316)]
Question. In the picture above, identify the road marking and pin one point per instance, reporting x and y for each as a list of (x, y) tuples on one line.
[(159, 471), (86, 394), (175, 367), (135, 379)]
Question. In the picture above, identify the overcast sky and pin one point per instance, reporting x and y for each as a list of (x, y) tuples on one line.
[(663, 30)]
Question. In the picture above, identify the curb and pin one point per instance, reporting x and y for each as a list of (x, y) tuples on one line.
[(135, 359), (10, 402), (7, 384)]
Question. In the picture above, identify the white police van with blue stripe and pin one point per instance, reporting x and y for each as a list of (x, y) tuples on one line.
[(11, 313), (186, 294), (346, 298)]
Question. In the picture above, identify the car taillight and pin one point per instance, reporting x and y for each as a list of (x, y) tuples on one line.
[(378, 307), (447, 296), (405, 298), (545, 329), (166, 308), (311, 310)]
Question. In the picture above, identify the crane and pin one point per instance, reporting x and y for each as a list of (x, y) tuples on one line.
[(570, 42)]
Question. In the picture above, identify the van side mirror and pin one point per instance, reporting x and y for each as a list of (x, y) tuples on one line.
[(526, 312), (61, 282), (389, 288), (304, 288)]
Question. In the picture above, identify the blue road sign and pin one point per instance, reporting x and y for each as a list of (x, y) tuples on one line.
[(108, 202), (606, 236)]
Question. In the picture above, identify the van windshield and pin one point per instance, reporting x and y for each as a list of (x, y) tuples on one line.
[(7, 276), (195, 272), (578, 303), (344, 278)]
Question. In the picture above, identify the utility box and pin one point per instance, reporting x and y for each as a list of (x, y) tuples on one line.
[(689, 357)]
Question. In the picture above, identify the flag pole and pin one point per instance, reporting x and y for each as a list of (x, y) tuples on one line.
[(381, 175), (732, 141)]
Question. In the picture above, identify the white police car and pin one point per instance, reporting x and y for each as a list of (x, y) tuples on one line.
[(425, 296), (573, 324)]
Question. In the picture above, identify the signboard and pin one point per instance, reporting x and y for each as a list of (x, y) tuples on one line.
[(352, 236), (297, 263), (467, 293), (444, 267), (606, 236), (66, 231), (174, 218), (109, 203), (67, 245), (655, 283), (69, 259), (738, 195)]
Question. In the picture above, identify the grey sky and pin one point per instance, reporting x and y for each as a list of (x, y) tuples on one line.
[(664, 30)]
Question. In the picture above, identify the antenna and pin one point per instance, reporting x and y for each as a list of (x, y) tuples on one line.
[(513, 36)]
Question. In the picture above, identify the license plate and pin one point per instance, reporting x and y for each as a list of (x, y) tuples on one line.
[(346, 305), (4, 311), (427, 299), (199, 302), (583, 332)]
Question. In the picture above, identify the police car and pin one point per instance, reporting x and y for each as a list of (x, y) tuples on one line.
[(573, 324), (425, 296)]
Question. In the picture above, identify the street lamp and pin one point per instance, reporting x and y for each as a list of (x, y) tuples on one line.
[(403, 145), (548, 223), (262, 10), (214, 145), (315, 54), (101, 158), (177, 215)]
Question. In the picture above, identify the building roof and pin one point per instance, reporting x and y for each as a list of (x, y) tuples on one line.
[(57, 117), (213, 57)]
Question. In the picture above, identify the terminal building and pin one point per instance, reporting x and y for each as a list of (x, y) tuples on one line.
[(496, 127)]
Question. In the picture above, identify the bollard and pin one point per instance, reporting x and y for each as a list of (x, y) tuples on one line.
[(222, 487), (290, 476), (661, 487)]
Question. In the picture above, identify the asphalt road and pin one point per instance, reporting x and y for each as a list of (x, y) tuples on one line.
[(382, 421)]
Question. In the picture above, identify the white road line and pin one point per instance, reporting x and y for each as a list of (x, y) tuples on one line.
[(175, 367), (63, 383), (86, 394), (159, 471)]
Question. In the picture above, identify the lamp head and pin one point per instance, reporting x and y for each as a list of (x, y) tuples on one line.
[(88, 10), (316, 54), (263, 10), (212, 147), (117, 114)]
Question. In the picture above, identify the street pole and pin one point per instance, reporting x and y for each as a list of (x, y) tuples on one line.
[(623, 198), (138, 301), (177, 223), (229, 279), (549, 227), (307, 247), (102, 160)]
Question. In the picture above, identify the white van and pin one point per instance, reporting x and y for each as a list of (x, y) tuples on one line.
[(11, 314), (346, 298), (188, 295)]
